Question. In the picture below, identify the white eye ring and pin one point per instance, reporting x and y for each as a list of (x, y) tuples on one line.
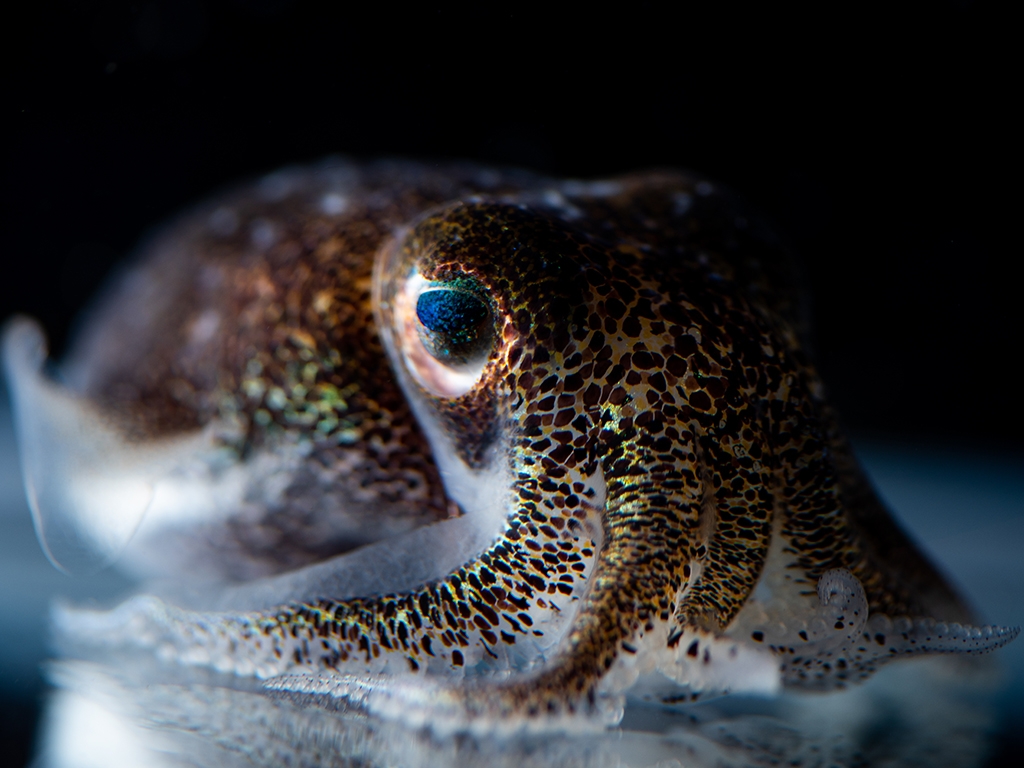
[(437, 378)]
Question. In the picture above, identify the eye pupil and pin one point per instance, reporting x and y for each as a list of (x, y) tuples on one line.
[(455, 326), (453, 313)]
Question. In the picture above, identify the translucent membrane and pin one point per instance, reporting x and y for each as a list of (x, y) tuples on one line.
[(88, 487)]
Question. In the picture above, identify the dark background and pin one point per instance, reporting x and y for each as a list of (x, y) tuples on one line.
[(880, 140)]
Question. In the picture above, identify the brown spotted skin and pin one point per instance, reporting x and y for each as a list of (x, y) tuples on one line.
[(294, 356), (647, 333)]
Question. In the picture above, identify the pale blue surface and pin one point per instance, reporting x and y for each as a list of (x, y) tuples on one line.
[(966, 510)]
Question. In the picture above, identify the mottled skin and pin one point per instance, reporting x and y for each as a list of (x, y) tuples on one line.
[(293, 355), (645, 393), (654, 370)]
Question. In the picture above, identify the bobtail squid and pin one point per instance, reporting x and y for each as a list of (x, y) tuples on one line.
[(476, 450)]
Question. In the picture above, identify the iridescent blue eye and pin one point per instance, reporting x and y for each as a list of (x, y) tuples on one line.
[(456, 326)]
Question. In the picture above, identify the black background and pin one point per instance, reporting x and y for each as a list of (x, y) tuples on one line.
[(882, 141)]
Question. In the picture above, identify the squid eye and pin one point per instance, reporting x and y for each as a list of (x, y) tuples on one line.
[(455, 326)]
